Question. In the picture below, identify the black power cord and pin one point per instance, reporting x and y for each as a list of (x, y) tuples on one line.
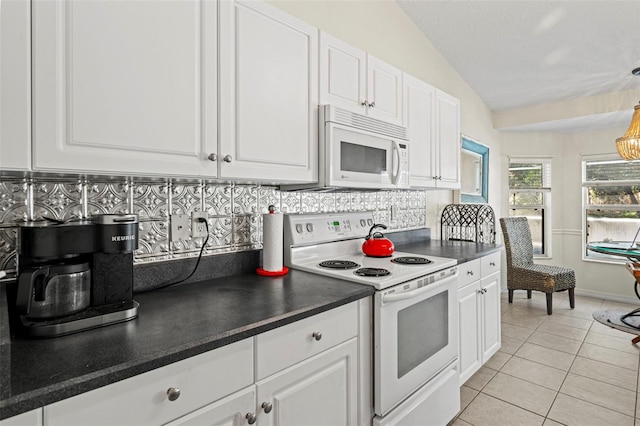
[(204, 244)]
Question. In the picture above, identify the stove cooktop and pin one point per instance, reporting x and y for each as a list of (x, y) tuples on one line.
[(398, 272)]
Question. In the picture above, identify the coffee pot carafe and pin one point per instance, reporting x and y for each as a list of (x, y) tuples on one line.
[(52, 291)]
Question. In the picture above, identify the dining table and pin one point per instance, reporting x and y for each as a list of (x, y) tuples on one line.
[(631, 251)]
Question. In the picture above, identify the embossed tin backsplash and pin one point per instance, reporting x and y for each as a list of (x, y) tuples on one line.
[(234, 211)]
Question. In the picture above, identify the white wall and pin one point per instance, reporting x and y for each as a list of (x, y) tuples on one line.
[(382, 29), (593, 278)]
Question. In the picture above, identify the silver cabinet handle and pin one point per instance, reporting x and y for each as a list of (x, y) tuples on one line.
[(470, 273), (173, 394), (317, 335), (492, 263), (227, 158), (251, 418), (364, 103), (267, 407), (372, 104), (213, 157)]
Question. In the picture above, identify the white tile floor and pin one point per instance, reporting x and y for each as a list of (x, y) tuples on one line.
[(560, 369)]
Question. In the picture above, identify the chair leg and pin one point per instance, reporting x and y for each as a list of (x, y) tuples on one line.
[(572, 299), (549, 302), (528, 294), (510, 296)]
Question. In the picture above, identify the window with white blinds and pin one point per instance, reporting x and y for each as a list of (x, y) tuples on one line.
[(530, 196), (611, 201)]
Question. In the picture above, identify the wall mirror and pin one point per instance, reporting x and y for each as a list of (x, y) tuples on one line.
[(474, 176)]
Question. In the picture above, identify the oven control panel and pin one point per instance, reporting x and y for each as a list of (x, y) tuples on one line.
[(324, 227)]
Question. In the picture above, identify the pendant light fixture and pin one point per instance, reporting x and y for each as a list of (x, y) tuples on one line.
[(629, 145)]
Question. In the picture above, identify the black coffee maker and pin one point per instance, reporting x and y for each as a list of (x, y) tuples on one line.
[(75, 276)]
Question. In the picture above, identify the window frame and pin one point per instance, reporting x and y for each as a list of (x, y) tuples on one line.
[(587, 255), (545, 207)]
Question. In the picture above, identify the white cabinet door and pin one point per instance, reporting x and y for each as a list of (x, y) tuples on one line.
[(469, 310), (144, 399), (268, 94), (356, 81), (418, 114), (491, 339), (30, 418), (448, 140), (318, 391), (384, 91), (234, 410), (343, 74), (15, 85), (125, 86)]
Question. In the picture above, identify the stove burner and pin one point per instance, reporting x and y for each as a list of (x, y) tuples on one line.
[(338, 264), (372, 272), (412, 260)]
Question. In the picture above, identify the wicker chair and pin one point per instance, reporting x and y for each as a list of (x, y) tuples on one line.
[(523, 274)]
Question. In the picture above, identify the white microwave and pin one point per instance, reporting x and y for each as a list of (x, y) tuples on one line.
[(359, 152)]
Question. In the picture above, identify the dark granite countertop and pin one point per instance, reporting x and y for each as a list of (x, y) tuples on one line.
[(173, 324), (462, 251), (418, 241)]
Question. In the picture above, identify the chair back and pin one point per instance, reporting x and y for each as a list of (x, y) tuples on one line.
[(517, 241)]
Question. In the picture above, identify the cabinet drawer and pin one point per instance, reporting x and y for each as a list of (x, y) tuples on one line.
[(490, 264), (468, 272), (143, 399), (280, 348)]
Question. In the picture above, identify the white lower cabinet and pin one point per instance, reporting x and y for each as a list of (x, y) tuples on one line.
[(319, 391), (234, 410), (303, 373), (160, 395), (30, 418), (479, 313)]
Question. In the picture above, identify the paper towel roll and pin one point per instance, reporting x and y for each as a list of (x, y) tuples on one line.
[(272, 242)]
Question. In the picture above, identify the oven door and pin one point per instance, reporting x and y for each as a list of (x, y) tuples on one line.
[(416, 336), (362, 159)]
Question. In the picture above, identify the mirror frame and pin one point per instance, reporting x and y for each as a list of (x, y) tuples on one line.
[(476, 147)]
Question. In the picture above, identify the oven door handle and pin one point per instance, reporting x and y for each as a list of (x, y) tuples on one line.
[(390, 298), (397, 297)]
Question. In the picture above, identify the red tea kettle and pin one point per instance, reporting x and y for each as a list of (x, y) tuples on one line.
[(376, 245)]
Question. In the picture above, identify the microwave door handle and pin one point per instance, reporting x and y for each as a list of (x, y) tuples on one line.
[(396, 163)]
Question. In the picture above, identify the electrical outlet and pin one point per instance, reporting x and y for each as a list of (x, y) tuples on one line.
[(198, 228), (179, 227)]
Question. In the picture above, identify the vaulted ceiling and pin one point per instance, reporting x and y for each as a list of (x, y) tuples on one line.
[(541, 65)]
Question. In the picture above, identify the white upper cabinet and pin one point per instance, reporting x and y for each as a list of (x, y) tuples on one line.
[(419, 119), (447, 141), (125, 86), (432, 119), (15, 85), (343, 74), (268, 94), (353, 80)]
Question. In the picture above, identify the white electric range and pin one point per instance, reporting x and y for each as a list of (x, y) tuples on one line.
[(415, 313)]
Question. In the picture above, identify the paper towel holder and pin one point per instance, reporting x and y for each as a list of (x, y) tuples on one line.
[(265, 273)]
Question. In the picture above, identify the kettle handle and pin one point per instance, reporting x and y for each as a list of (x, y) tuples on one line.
[(26, 282), (373, 235)]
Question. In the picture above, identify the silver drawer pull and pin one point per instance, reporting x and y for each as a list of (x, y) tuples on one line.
[(492, 263), (470, 273), (251, 418), (173, 394), (267, 407), (317, 335)]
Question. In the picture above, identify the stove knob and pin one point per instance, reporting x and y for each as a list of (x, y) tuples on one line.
[(299, 228), (363, 222), (370, 222), (310, 227)]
